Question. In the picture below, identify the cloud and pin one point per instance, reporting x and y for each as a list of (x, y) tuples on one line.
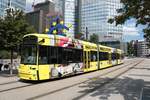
[(130, 28), (29, 5), (131, 22), (130, 31)]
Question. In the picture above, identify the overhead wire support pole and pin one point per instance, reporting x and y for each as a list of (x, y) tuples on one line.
[(86, 32)]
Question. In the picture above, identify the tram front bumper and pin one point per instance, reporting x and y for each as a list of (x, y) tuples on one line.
[(26, 76), (26, 73)]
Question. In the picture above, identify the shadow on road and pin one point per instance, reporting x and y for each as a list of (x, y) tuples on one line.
[(128, 88), (143, 68), (146, 91)]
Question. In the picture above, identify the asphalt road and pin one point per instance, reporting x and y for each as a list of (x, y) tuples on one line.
[(129, 81)]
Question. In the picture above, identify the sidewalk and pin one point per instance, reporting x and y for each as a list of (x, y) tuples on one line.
[(133, 85), (5, 76), (6, 73)]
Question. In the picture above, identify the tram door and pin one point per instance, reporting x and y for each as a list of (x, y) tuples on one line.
[(87, 59)]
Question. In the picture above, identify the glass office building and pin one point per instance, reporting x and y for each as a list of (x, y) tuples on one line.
[(69, 15), (67, 9), (94, 17), (17, 4)]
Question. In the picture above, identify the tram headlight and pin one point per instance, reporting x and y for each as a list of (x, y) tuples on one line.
[(34, 75), (32, 68)]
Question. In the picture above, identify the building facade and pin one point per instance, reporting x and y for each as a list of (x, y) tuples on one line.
[(16, 4), (69, 16), (68, 10), (95, 15), (51, 9), (39, 17), (35, 19), (142, 49)]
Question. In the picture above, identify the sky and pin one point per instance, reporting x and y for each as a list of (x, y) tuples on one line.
[(29, 4), (130, 31)]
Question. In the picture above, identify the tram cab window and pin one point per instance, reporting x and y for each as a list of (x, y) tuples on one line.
[(28, 54)]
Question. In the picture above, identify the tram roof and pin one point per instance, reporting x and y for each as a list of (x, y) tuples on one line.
[(81, 41), (39, 35)]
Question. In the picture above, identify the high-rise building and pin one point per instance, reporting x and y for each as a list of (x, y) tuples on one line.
[(142, 49), (39, 17), (94, 18), (45, 11), (59, 6), (68, 10), (69, 15), (16, 4)]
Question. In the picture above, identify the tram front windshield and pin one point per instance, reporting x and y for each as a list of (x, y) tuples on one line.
[(29, 54)]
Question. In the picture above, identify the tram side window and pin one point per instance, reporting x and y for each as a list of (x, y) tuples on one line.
[(60, 57), (93, 55), (68, 55), (78, 55), (53, 53), (64, 56), (122, 56), (43, 55), (72, 55), (118, 56), (104, 56), (114, 56)]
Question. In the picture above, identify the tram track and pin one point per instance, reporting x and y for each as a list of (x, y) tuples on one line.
[(28, 85), (8, 83), (15, 88), (91, 90), (106, 82)]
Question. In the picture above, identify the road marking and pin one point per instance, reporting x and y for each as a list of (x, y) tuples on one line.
[(95, 78), (141, 94)]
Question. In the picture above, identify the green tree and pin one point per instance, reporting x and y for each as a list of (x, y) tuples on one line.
[(94, 38), (136, 9), (12, 29), (79, 36), (130, 49)]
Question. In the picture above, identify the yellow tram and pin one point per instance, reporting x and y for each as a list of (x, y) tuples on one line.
[(45, 56)]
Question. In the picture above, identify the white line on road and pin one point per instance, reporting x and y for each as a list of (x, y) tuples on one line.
[(141, 94)]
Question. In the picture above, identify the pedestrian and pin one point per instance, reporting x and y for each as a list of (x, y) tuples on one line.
[(1, 67)]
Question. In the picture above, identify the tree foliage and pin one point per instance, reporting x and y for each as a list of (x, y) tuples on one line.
[(132, 48), (137, 9), (79, 36), (94, 38), (12, 28)]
